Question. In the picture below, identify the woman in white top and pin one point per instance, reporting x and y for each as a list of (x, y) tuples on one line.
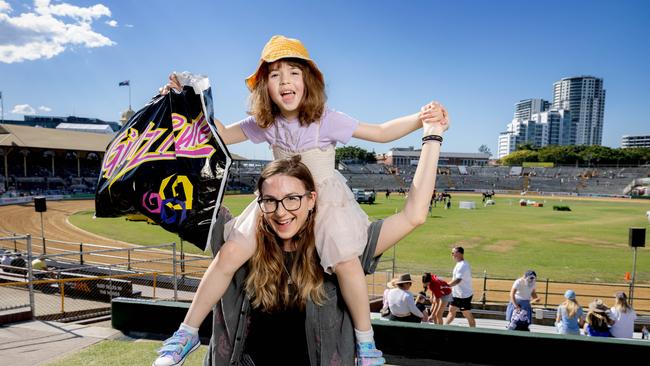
[(401, 303), (522, 294), (624, 317)]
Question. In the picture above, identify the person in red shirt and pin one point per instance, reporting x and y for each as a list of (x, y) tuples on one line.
[(440, 295)]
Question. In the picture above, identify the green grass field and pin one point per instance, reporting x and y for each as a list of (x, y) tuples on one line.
[(587, 244), (123, 353)]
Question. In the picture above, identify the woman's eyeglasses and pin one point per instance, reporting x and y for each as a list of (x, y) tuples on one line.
[(290, 203)]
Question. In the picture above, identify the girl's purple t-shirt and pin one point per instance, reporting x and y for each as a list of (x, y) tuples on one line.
[(291, 136)]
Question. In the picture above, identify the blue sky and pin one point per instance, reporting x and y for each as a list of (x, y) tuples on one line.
[(381, 59)]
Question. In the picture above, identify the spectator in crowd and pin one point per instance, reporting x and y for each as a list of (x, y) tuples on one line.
[(645, 333), (598, 320), (39, 263), (5, 260), (461, 288), (18, 262), (401, 303), (440, 295), (522, 294), (421, 303), (519, 320), (385, 310), (569, 318), (623, 316)]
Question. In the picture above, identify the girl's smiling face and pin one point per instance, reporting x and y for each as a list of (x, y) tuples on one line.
[(286, 87)]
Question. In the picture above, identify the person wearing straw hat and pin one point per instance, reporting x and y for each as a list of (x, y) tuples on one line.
[(288, 111), (402, 304), (569, 319), (598, 320), (623, 316)]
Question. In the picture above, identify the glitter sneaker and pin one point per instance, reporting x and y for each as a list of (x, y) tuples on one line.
[(176, 349), (369, 355)]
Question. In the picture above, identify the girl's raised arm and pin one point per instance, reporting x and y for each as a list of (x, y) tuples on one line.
[(416, 209), (401, 126)]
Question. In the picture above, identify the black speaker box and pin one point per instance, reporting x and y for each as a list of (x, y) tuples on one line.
[(39, 204), (637, 237)]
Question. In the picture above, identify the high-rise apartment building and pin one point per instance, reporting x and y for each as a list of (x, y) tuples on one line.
[(584, 97), (526, 108), (630, 141)]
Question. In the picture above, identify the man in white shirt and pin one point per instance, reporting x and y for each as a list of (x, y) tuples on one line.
[(461, 288)]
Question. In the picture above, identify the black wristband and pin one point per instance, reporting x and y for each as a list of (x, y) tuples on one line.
[(428, 138)]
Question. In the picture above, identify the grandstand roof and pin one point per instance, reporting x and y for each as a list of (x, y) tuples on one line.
[(48, 138), (85, 127)]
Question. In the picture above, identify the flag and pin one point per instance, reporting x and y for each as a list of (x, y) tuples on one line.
[(125, 83)]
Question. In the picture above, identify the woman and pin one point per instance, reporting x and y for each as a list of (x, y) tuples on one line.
[(598, 320), (440, 295), (522, 294), (568, 319), (623, 316), (282, 276), (401, 303)]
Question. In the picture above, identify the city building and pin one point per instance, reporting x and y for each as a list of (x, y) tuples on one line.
[(574, 118), (526, 108), (629, 141), (408, 156), (584, 97)]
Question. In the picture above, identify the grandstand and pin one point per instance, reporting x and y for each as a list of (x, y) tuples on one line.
[(51, 161), (562, 180)]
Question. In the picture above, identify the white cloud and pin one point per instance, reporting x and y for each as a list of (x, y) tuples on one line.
[(128, 25), (112, 23), (44, 109), (49, 30), (5, 7), (23, 109)]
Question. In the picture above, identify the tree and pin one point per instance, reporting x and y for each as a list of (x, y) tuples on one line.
[(485, 150), (355, 153)]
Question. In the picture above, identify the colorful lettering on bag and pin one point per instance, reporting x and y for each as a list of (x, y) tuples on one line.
[(181, 187), (151, 202), (170, 218), (129, 151), (132, 148), (191, 138)]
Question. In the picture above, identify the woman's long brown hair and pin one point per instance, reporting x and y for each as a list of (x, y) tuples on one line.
[(267, 283), (312, 104)]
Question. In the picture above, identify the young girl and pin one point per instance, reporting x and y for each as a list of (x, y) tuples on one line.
[(288, 112)]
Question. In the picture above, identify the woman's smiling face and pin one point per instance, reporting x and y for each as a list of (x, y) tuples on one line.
[(286, 224)]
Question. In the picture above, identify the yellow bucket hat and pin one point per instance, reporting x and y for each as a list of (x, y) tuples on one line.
[(279, 47)]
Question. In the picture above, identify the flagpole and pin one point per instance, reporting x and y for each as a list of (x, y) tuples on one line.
[(2, 108), (129, 94)]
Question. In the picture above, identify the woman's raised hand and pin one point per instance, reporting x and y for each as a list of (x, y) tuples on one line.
[(173, 83), (434, 116)]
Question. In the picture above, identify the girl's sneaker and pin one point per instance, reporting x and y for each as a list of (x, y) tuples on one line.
[(369, 355), (176, 348)]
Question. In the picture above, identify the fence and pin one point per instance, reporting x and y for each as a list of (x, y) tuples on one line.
[(80, 279)]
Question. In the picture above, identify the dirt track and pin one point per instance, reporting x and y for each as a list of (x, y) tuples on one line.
[(22, 219)]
